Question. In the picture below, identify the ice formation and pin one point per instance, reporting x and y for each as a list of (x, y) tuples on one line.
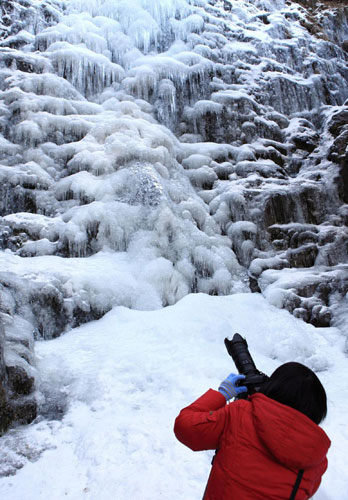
[(149, 149)]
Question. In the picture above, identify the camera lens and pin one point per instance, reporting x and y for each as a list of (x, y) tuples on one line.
[(238, 349)]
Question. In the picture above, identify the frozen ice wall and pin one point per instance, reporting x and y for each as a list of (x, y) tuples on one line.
[(149, 149)]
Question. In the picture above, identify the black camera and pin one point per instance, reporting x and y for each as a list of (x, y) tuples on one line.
[(237, 348)]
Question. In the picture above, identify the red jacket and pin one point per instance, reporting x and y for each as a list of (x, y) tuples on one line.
[(262, 444)]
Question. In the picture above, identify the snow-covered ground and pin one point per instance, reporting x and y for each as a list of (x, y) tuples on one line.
[(122, 380)]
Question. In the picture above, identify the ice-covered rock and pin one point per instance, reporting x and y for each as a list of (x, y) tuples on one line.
[(166, 147)]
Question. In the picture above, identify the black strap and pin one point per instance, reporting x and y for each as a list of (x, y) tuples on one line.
[(296, 485)]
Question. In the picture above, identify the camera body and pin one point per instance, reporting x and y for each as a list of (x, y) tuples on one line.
[(237, 348)]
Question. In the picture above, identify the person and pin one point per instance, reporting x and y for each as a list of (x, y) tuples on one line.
[(264, 444)]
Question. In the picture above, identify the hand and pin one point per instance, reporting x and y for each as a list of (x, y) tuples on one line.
[(228, 387)]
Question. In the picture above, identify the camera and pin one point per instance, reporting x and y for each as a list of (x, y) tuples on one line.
[(237, 348)]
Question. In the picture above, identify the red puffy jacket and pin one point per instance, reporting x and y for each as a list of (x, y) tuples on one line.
[(262, 444)]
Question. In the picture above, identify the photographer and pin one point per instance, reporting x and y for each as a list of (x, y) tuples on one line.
[(269, 446)]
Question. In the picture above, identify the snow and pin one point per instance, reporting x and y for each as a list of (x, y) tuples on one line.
[(123, 379)]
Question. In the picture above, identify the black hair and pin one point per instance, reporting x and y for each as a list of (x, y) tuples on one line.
[(295, 385)]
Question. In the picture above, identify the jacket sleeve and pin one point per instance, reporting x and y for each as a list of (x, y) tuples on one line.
[(200, 425)]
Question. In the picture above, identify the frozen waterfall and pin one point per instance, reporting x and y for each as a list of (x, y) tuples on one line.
[(150, 149)]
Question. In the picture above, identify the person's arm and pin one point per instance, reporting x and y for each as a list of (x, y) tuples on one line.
[(200, 425)]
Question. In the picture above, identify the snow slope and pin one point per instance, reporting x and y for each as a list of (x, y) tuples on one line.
[(122, 380)]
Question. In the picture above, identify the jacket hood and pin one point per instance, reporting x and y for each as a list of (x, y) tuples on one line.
[(290, 436)]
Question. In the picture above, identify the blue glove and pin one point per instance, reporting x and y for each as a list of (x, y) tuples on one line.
[(228, 387)]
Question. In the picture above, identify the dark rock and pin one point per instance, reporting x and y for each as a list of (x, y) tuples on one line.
[(338, 149), (279, 244), (25, 411), (253, 285), (303, 238), (301, 313), (227, 5), (17, 401), (80, 316), (306, 290), (304, 205), (303, 257), (312, 201), (16, 199), (306, 142), (321, 316), (272, 153), (338, 120), (291, 302), (48, 309), (338, 152), (6, 413), (327, 237), (280, 208), (323, 292), (19, 381)]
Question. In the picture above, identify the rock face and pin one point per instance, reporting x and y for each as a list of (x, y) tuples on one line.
[(16, 383), (163, 149)]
